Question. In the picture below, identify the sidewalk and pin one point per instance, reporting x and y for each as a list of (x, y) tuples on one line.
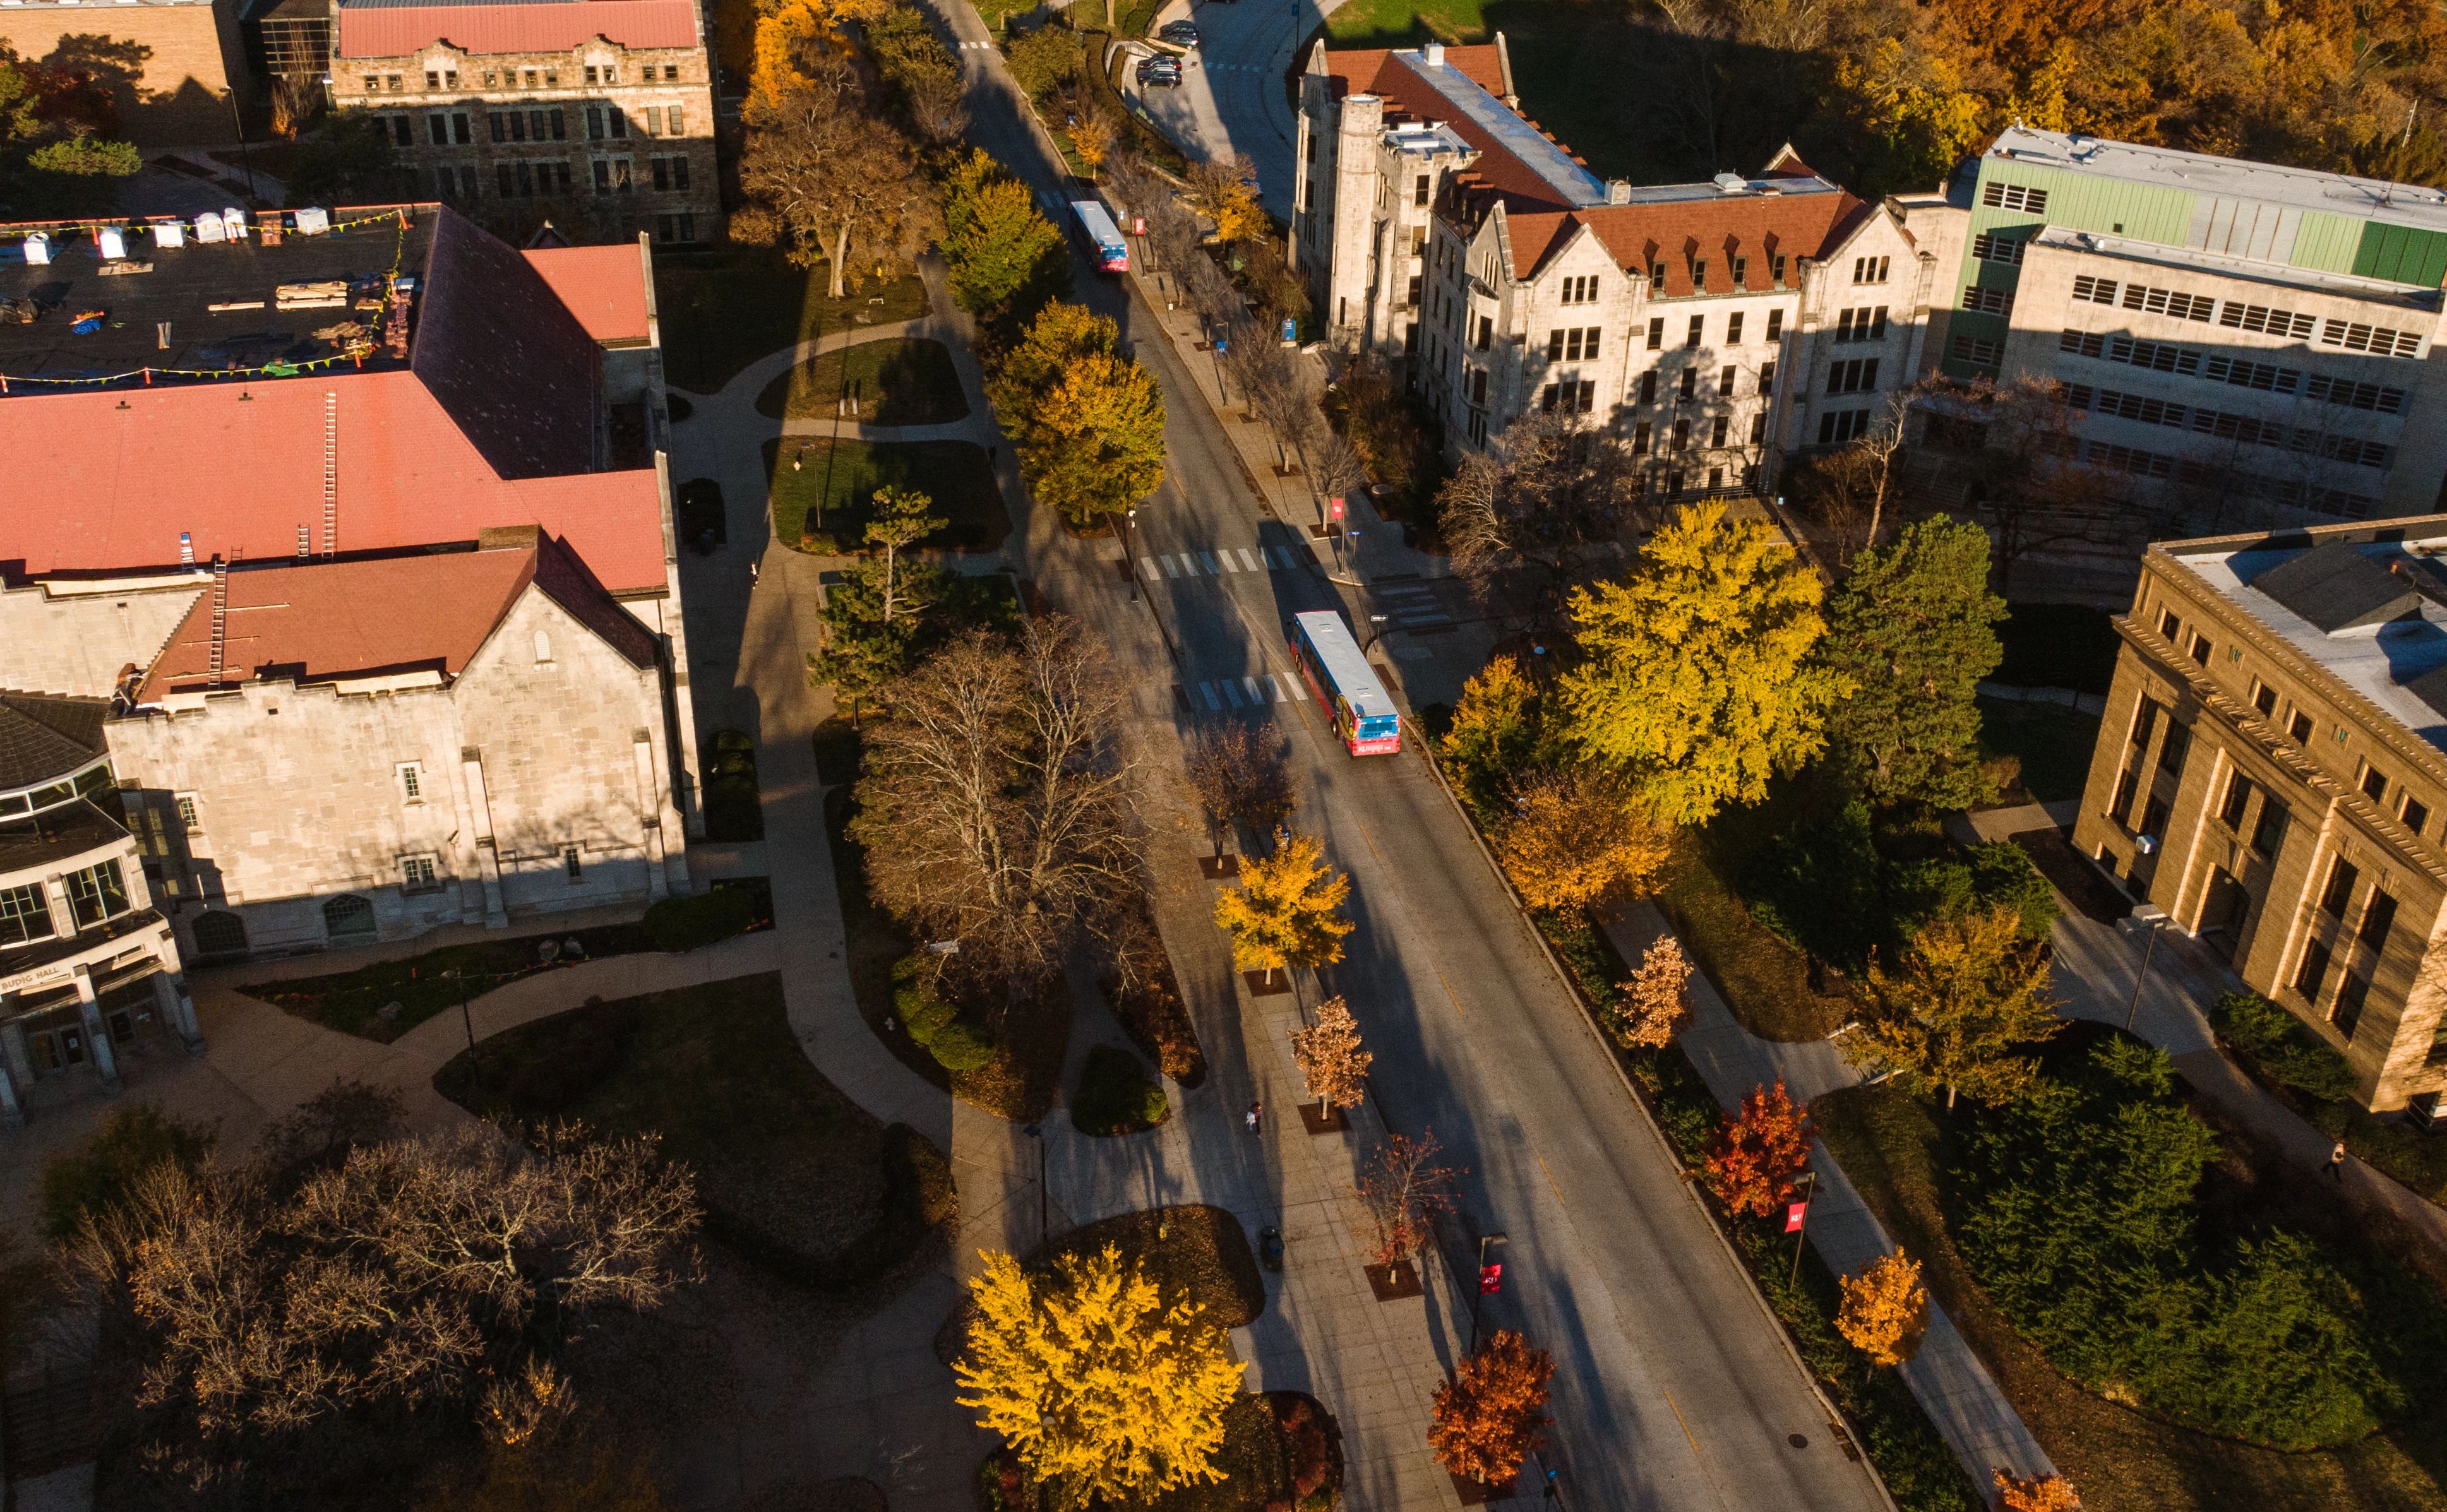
[(1953, 1387)]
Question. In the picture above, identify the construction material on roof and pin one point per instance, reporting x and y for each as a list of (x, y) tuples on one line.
[(2336, 588), (327, 294)]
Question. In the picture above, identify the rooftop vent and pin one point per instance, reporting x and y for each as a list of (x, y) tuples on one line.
[(2337, 588), (1435, 54), (1732, 183), (1618, 191)]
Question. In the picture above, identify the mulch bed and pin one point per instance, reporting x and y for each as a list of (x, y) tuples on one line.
[(1215, 868), (1478, 1493), (1323, 1120), (1259, 987), (1392, 1283), (2073, 875)]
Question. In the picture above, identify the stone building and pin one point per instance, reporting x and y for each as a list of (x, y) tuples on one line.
[(597, 116), (174, 67), (2271, 771), (369, 544), (2226, 329), (88, 970), (1717, 327)]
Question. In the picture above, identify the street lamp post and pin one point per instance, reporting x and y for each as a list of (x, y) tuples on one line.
[(1478, 1294), (468, 1021), (246, 161), (1036, 1132), (2152, 917), (1129, 557), (1375, 633)]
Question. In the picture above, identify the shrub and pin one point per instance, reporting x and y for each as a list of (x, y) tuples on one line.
[(682, 924), (101, 1174), (2281, 1048), (1114, 1095), (933, 1018), (2003, 876)]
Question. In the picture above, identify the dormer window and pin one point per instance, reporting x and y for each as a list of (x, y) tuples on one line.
[(1700, 275)]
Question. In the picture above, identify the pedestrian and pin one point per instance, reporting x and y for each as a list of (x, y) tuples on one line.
[(2337, 1164), (1252, 1119)]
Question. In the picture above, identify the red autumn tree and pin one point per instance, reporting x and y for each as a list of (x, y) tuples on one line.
[(1760, 1152), (1486, 1416), (2040, 1493)]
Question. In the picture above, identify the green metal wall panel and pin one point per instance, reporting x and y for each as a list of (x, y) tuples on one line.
[(2401, 254), (2328, 242), (2077, 201)]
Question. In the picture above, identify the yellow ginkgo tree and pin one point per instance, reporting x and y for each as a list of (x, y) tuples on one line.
[(1108, 1391), (1287, 910)]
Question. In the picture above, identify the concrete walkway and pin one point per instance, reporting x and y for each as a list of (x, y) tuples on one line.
[(1952, 1385)]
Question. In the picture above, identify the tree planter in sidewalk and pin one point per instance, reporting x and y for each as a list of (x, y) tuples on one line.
[(1319, 1119), (1216, 868), (1260, 986), (1478, 1493), (1395, 1282)]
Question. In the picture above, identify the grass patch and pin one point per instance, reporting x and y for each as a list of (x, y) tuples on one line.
[(732, 812), (2057, 645), (897, 381), (1895, 1149), (725, 307), (1030, 1036), (1115, 1096), (1197, 1252), (1764, 981), (793, 1174), (2052, 742), (352, 1002), (844, 476)]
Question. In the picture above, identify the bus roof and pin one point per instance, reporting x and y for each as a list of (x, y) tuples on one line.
[(1341, 657), (1100, 225)]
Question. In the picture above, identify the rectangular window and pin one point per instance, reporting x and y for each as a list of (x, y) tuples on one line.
[(593, 122), (570, 865), (2299, 727), (1486, 331), (499, 124), (2377, 921), (2121, 803), (1725, 376), (1648, 386), (1990, 247), (1639, 436), (416, 874), (1657, 333), (1588, 395), (2351, 993), (1977, 353), (432, 79), (2238, 799), (1733, 329), (1767, 378), (1419, 190), (96, 894), (674, 122), (1699, 328), (1989, 301), (437, 129), (505, 180), (411, 783), (1758, 428), (2377, 340), (1716, 429), (2263, 698), (1699, 275), (2169, 625), (1681, 435), (2172, 750), (190, 818), (24, 914), (1841, 426), (2313, 972), (2015, 196), (2339, 895), (1775, 317), (2373, 784), (461, 131), (1741, 271), (2415, 813), (1657, 278), (1690, 383), (2201, 649)]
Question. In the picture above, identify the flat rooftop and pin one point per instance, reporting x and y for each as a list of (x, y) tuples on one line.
[(1570, 181), (2231, 265), (2391, 643), (2341, 194), (164, 318)]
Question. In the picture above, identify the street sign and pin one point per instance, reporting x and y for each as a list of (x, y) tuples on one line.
[(1491, 1279), (1793, 1214), (1221, 344), (1138, 225)]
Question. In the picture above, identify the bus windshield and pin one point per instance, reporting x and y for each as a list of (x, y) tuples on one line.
[(1339, 678)]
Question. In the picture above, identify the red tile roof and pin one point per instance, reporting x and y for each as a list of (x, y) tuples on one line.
[(1676, 231), (510, 362), (394, 31), (604, 287), (324, 620), (1408, 96)]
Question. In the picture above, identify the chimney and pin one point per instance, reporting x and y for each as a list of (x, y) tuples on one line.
[(1618, 191), (1435, 54)]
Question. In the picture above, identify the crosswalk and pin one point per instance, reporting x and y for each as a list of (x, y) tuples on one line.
[(1218, 694), (1411, 605), (977, 47), (1155, 567)]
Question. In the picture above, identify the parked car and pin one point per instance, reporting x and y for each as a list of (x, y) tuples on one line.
[(1161, 74), (1179, 33)]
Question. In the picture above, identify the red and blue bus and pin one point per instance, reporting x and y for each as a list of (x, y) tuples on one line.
[(1345, 686), (1112, 253)]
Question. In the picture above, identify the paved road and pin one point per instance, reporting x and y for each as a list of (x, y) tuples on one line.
[(1231, 94), (1675, 1389)]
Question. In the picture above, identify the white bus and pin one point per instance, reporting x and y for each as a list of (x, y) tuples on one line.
[(1344, 684), (1112, 253)]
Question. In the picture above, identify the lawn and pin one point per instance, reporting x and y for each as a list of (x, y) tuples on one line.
[(724, 308), (792, 1173), (895, 381), (844, 476), (352, 1002), (733, 809), (2052, 742), (1895, 1149), (1765, 981)]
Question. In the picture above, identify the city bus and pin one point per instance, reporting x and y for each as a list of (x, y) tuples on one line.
[(1345, 685), (1112, 253)]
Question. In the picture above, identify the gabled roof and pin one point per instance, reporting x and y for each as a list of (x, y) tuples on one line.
[(42, 736), (374, 28), (604, 287), (504, 356), (323, 621)]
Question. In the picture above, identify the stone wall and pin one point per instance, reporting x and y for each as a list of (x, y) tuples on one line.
[(76, 642)]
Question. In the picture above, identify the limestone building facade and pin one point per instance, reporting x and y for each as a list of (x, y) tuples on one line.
[(191, 63), (1718, 327), (2271, 771), (597, 116)]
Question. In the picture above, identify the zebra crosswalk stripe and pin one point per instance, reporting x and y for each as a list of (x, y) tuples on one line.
[(1209, 559), (1283, 687), (1256, 694), (1207, 690), (1148, 569)]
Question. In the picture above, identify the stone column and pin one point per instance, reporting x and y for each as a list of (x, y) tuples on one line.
[(97, 1033), (488, 860), (650, 805), (176, 1008)]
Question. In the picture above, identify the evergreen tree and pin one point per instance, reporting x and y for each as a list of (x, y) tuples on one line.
[(1912, 630), (1698, 680), (1006, 260)]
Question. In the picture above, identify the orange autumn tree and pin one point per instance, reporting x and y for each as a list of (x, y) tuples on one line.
[(1885, 1310), (2040, 1493), (1487, 1417), (1760, 1152)]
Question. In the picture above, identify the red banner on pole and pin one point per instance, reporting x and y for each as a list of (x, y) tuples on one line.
[(1490, 1279), (1793, 1214)]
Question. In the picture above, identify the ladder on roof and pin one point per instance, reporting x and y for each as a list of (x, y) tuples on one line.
[(220, 618), (331, 471)]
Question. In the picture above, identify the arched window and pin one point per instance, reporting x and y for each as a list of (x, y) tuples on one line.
[(349, 919), (219, 934), (542, 647)]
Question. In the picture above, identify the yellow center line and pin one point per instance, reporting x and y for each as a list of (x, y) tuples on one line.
[(1372, 843), (1687, 1427), (1550, 1180), (1449, 994)]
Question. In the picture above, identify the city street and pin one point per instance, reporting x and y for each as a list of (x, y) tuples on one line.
[(1674, 1388)]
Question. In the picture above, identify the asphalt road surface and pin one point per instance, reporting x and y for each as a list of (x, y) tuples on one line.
[(1674, 1386)]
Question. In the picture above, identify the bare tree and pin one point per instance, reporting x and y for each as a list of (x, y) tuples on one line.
[(1539, 509), (1238, 773), (2029, 485), (1405, 1191), (1850, 491), (830, 179), (997, 808)]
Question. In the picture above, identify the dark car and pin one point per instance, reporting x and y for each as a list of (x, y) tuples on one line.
[(1163, 73), (1179, 33)]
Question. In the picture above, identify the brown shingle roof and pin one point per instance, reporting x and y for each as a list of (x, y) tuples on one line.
[(504, 357)]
